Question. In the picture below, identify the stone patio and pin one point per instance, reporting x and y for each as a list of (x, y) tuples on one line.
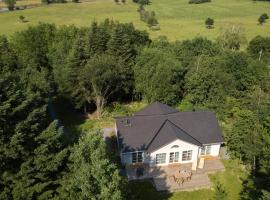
[(162, 176)]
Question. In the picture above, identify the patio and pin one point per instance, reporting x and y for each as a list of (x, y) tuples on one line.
[(163, 176)]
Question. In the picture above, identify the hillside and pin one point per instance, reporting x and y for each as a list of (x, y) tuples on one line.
[(177, 18)]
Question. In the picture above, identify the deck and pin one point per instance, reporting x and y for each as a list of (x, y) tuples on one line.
[(162, 176)]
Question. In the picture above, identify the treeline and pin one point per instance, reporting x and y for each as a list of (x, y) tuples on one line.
[(108, 62), (38, 158)]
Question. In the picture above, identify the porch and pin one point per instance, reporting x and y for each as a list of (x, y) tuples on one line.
[(162, 176)]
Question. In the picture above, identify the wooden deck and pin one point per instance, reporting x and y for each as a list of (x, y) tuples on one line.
[(161, 176)]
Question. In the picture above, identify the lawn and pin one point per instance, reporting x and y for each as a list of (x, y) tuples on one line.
[(76, 120), (177, 18), (230, 179)]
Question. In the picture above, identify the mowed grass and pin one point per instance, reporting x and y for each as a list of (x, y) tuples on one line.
[(177, 19)]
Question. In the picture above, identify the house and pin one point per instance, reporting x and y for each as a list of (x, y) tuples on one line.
[(159, 135)]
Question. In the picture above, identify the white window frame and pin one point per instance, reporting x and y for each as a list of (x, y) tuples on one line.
[(187, 155), (161, 158), (174, 157), (206, 150)]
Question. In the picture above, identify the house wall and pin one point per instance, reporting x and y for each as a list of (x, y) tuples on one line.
[(214, 150), (183, 146), (126, 158)]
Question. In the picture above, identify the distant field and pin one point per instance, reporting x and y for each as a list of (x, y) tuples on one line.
[(177, 18), (22, 3)]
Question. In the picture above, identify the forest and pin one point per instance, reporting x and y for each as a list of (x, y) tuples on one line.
[(94, 67)]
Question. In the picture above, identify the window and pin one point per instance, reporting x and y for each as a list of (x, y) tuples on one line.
[(160, 158), (206, 150), (174, 146), (137, 157), (186, 155), (174, 157)]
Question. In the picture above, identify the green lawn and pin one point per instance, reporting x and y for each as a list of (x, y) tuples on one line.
[(76, 120), (230, 179), (177, 18)]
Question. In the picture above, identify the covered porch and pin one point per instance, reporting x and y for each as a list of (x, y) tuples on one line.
[(164, 176)]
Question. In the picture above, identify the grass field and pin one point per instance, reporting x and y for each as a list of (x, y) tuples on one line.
[(22, 3), (177, 18)]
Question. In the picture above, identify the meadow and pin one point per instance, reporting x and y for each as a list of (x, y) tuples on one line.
[(178, 20)]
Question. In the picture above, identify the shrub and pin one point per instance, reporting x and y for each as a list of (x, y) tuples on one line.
[(262, 19), (22, 19), (152, 21), (198, 1), (209, 23)]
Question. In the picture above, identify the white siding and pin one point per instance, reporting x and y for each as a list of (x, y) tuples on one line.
[(214, 149), (183, 146)]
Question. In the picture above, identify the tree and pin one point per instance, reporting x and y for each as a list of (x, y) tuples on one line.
[(209, 22), (158, 76), (103, 76), (259, 47), (220, 193), (10, 4), (92, 174), (232, 37), (262, 19), (207, 84), (246, 132), (29, 146), (40, 175)]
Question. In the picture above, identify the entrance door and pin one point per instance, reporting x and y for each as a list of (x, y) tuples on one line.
[(174, 157)]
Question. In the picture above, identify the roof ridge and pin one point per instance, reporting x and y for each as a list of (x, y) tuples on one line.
[(184, 131), (156, 133)]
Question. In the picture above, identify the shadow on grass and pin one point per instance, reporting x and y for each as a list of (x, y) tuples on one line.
[(145, 190), (70, 118)]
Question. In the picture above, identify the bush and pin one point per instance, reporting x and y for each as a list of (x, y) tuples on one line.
[(152, 21), (262, 19), (22, 19), (209, 23), (198, 1)]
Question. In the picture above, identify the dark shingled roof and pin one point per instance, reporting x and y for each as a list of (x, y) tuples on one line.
[(150, 132), (167, 133), (156, 108)]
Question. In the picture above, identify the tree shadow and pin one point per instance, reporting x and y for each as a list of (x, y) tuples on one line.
[(68, 117)]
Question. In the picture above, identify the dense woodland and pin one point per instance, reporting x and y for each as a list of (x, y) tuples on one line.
[(95, 66)]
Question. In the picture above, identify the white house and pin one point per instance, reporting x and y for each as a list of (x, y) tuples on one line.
[(160, 135)]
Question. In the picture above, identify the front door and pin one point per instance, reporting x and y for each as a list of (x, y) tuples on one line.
[(174, 157)]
